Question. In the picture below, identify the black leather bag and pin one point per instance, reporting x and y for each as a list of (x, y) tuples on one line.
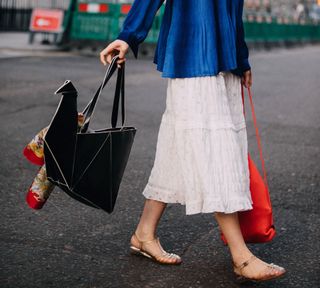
[(88, 164)]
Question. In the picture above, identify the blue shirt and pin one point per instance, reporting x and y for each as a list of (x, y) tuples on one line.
[(196, 38)]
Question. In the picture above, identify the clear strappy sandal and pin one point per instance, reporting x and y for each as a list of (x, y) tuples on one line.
[(157, 258), (275, 271)]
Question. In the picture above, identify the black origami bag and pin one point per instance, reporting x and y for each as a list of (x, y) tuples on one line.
[(88, 164)]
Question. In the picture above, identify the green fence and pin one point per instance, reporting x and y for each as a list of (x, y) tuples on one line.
[(106, 26), (274, 32), (95, 26)]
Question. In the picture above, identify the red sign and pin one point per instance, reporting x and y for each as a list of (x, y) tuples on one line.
[(46, 20)]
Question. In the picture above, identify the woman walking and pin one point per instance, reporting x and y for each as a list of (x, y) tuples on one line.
[(201, 154)]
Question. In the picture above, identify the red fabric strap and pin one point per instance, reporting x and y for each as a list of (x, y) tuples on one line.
[(257, 132)]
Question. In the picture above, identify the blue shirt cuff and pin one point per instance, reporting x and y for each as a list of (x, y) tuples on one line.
[(245, 66)]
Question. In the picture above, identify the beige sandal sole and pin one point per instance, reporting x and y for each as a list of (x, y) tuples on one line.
[(241, 279), (139, 252)]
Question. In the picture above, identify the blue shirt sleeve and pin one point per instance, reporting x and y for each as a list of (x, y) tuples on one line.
[(138, 22), (242, 48)]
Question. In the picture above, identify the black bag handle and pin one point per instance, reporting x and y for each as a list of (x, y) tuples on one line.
[(85, 110), (89, 109), (119, 91)]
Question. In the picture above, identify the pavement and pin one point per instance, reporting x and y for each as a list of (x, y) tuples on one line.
[(16, 44), (67, 244)]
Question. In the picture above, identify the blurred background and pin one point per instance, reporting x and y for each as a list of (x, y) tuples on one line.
[(266, 21), (283, 11)]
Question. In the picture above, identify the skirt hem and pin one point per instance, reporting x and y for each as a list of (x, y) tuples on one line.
[(201, 206)]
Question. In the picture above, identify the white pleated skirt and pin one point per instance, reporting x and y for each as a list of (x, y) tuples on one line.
[(201, 158)]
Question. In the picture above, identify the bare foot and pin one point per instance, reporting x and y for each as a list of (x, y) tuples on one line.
[(152, 248)]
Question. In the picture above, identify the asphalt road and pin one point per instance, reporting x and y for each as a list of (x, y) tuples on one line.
[(67, 244)]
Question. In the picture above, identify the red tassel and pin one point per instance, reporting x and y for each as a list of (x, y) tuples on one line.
[(32, 200), (32, 157)]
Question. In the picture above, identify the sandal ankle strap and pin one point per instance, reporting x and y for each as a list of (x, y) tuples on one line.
[(245, 263)]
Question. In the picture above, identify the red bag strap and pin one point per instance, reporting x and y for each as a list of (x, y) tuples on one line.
[(257, 132)]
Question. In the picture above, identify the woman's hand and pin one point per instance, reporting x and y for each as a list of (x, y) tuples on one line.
[(114, 48), (246, 79)]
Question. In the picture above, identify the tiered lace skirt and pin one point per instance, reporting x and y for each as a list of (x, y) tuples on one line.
[(201, 158)]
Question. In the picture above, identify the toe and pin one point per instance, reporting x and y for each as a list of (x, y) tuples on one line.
[(170, 258), (275, 271)]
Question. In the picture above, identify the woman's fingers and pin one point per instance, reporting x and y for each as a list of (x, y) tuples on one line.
[(116, 47), (107, 53), (103, 57), (123, 48), (247, 79), (109, 57), (121, 59)]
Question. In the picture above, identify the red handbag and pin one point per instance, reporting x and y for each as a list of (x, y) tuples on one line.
[(256, 224)]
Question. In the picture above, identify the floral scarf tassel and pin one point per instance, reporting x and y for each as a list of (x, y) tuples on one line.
[(34, 150), (39, 190)]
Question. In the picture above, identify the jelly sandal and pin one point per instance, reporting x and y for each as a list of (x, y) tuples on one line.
[(160, 258), (275, 271)]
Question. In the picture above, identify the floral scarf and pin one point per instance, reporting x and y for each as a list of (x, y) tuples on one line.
[(41, 188)]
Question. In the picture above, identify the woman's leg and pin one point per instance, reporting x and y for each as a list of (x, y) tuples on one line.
[(149, 220), (146, 231), (229, 224)]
